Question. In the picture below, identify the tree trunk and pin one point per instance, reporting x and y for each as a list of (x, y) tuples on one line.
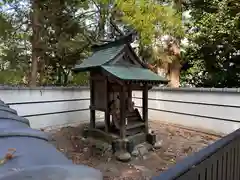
[(42, 72), (34, 68), (163, 69), (65, 78), (35, 39), (174, 73), (175, 65), (59, 76), (102, 21), (174, 49)]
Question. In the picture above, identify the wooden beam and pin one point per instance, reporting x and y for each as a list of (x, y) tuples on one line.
[(92, 100), (107, 113), (97, 108), (145, 107), (97, 78), (129, 92), (111, 77), (123, 113)]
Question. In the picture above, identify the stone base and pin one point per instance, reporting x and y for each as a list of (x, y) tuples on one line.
[(122, 148), (141, 150), (123, 156), (151, 138), (99, 134)]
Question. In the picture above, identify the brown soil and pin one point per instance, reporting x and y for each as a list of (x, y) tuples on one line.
[(177, 143)]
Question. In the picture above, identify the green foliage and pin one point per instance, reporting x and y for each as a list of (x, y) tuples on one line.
[(216, 43), (80, 79), (64, 39), (5, 27), (10, 77), (151, 19)]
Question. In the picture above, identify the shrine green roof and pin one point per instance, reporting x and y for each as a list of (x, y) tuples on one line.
[(127, 67), (99, 57), (133, 73)]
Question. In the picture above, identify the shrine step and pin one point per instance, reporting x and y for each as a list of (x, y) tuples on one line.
[(135, 129), (133, 116), (134, 124)]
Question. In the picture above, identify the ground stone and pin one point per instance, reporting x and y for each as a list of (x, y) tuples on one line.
[(85, 149), (135, 152), (141, 150), (102, 146), (158, 144), (123, 156), (84, 139)]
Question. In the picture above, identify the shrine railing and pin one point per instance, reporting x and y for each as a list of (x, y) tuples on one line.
[(218, 161)]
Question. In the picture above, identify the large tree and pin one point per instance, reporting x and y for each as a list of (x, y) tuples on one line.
[(53, 33), (14, 56), (58, 32), (152, 20), (214, 52)]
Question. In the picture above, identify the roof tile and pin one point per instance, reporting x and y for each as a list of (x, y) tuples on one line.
[(133, 73), (100, 57)]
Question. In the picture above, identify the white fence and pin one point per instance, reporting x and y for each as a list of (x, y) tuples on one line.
[(46, 107), (216, 110)]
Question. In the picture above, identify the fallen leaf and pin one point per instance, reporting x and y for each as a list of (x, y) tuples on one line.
[(11, 150), (8, 156), (2, 161)]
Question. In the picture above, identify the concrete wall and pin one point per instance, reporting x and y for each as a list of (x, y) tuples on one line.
[(211, 109), (217, 110), (47, 107)]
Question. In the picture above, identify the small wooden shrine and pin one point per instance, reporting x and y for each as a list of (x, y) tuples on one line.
[(116, 71)]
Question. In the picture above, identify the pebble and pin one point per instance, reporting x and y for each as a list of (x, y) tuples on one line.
[(85, 149), (83, 139), (158, 144), (135, 152), (123, 156)]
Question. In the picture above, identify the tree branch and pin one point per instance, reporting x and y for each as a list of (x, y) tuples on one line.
[(116, 27)]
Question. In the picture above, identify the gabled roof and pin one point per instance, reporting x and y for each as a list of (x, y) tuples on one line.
[(103, 54), (133, 74), (119, 60), (99, 58)]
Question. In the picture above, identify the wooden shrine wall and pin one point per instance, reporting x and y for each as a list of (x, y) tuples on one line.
[(100, 94)]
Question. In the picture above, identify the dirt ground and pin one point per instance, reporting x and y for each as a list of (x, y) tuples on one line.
[(177, 143)]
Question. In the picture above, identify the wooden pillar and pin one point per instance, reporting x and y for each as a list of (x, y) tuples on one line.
[(107, 113), (130, 93), (145, 107), (122, 113), (92, 100)]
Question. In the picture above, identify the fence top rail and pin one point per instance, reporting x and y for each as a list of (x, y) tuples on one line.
[(196, 158), (181, 89), (70, 88), (193, 89)]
